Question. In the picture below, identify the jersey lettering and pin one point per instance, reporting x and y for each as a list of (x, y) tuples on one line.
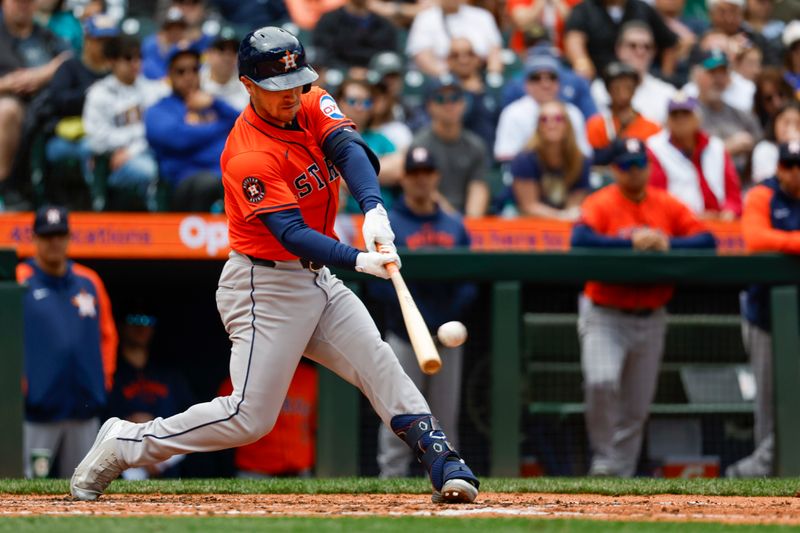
[(302, 185), (314, 171), (333, 172)]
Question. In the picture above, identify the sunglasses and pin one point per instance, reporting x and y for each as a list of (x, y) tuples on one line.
[(640, 162), (792, 164), (536, 78), (186, 70), (633, 45), (447, 98), (366, 103), (141, 320), (551, 119)]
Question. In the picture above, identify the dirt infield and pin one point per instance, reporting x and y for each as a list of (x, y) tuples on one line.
[(757, 510)]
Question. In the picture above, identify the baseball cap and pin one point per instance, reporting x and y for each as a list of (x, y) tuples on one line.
[(789, 152), (100, 26), (172, 16), (183, 47), (628, 152), (419, 158), (714, 58), (791, 33), (439, 85), (226, 34), (680, 101), (51, 220), (386, 63), (618, 69), (541, 62)]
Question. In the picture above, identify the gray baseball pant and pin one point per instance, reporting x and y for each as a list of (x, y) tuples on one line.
[(443, 392), (274, 316), (620, 358), (69, 439)]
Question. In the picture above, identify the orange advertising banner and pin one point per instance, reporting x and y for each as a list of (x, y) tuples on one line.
[(205, 236)]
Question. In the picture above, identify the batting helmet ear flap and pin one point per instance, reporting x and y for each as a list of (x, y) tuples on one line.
[(306, 88)]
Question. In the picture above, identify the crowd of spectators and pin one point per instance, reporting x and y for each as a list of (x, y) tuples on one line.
[(100, 89)]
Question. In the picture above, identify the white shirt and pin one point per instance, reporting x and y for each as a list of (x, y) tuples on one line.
[(518, 123), (650, 99), (232, 92), (765, 160), (398, 133), (738, 94), (428, 31)]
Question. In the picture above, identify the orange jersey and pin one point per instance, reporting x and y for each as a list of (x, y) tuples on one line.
[(608, 212), (597, 130), (267, 168), (762, 229)]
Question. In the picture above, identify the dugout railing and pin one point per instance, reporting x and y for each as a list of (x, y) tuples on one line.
[(507, 272)]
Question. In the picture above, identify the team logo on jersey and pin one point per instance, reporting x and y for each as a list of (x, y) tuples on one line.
[(84, 301), (289, 61), (253, 189), (328, 106)]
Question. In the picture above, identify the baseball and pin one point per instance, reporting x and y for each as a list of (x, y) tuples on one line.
[(452, 334)]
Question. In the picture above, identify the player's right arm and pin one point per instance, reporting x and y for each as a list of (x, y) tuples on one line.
[(757, 230)]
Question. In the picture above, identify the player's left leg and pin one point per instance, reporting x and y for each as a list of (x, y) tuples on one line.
[(348, 342)]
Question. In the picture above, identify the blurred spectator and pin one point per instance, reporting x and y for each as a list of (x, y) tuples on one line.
[(194, 12), (551, 176), (621, 119), (67, 92), (383, 118), (356, 100), (112, 119), (786, 10), (694, 166), (772, 92), (432, 30), (306, 13), (175, 30), (52, 15), (461, 157), (419, 223), (622, 327), (592, 31), (687, 29), (252, 14), (29, 57), (220, 76), (791, 56), (482, 111), (518, 121), (543, 17), (70, 349), (784, 127), (116, 9), (402, 12), (747, 63), (736, 126), (386, 72), (187, 131), (350, 35), (771, 223), (759, 19), (290, 448), (727, 16), (572, 88), (635, 47), (143, 389)]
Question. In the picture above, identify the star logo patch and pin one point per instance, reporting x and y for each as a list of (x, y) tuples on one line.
[(289, 61), (253, 189), (85, 303)]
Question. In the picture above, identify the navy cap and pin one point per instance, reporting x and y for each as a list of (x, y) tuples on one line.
[(539, 62), (441, 84), (100, 26), (174, 15), (183, 47), (624, 151), (51, 220), (714, 58), (789, 152), (680, 101), (419, 158)]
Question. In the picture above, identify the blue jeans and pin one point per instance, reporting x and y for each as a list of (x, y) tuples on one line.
[(140, 174)]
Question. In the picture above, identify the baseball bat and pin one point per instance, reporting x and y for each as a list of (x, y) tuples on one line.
[(426, 352)]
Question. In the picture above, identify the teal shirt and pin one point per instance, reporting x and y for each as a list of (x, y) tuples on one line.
[(382, 146), (66, 26)]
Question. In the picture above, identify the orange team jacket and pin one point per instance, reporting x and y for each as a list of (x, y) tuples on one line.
[(771, 220), (608, 212), (267, 168), (290, 447), (597, 130)]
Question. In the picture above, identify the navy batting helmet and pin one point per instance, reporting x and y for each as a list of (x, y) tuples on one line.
[(275, 60)]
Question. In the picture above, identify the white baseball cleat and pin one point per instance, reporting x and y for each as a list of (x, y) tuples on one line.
[(455, 491), (102, 464)]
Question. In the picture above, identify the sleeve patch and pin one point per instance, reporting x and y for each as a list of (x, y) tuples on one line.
[(253, 189), (329, 107)]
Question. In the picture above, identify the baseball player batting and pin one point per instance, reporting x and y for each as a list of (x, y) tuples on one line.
[(278, 300)]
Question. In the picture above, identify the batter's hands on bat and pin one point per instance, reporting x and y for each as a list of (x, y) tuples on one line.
[(376, 229), (373, 263)]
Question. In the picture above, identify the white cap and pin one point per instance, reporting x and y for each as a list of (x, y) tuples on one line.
[(791, 33), (712, 3)]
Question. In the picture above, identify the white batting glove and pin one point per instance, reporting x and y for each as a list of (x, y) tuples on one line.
[(376, 229), (373, 263)]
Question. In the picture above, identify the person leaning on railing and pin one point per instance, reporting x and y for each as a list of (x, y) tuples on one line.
[(621, 327), (770, 223)]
